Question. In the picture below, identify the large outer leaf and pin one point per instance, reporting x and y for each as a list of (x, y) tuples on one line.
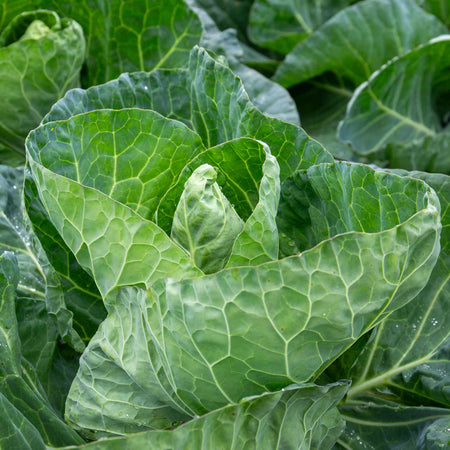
[(35, 72), (408, 352), (380, 30), (207, 97), (378, 424), (205, 342), (300, 417), (398, 103), (280, 24), (23, 402)]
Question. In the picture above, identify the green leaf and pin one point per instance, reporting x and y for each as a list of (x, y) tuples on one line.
[(440, 8), (322, 103), (23, 400), (35, 72), (300, 416), (125, 36), (269, 97), (228, 13), (112, 239), (9, 336), (209, 99), (208, 341), (10, 157), (81, 295), (388, 425), (381, 30), (408, 352), (11, 421), (205, 223), (394, 105), (430, 154), (280, 25), (41, 309), (258, 242)]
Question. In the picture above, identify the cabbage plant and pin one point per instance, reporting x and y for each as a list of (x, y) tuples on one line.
[(183, 266), (40, 59), (234, 257)]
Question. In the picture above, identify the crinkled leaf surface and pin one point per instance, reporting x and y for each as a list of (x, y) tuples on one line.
[(208, 341), (409, 351), (23, 401), (35, 72), (208, 98), (381, 30), (395, 106), (382, 424), (300, 416), (280, 24)]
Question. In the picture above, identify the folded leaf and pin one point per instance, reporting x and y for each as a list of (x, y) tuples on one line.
[(205, 223), (111, 239)]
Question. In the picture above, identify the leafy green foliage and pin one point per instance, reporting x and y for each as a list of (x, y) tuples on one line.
[(183, 266), (376, 109), (24, 403), (40, 59)]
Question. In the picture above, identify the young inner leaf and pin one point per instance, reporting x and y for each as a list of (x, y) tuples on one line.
[(205, 222)]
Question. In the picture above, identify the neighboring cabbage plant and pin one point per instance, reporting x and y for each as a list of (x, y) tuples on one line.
[(234, 257), (40, 59)]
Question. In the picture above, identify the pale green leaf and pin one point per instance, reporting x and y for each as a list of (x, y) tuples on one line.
[(205, 223), (300, 416)]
